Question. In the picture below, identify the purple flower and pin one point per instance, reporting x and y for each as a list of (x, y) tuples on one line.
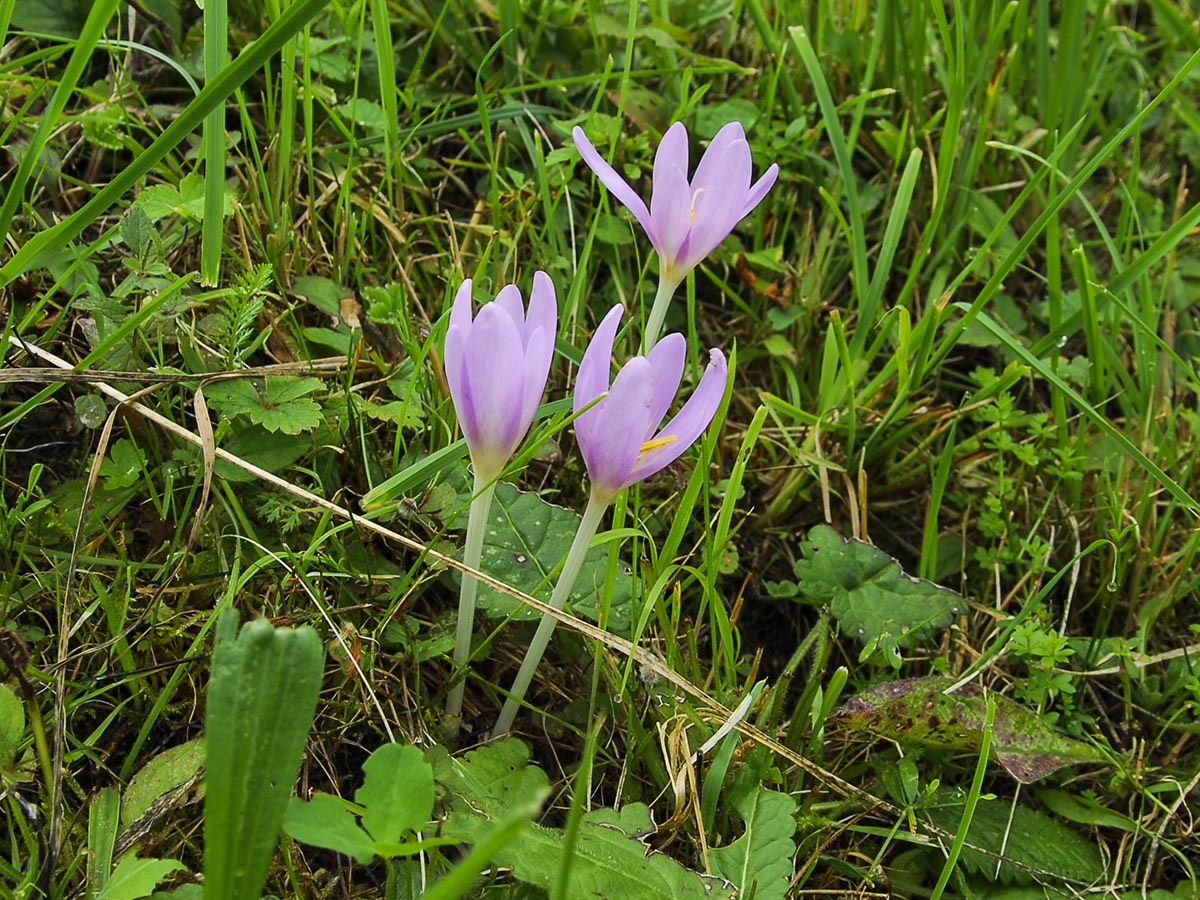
[(620, 437), (687, 220), (496, 368)]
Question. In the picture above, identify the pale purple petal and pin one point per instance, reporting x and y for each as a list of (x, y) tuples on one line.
[(541, 325), (460, 312), (712, 170), (760, 189), (543, 307), (538, 353), (689, 423), (452, 357), (456, 335), (610, 179), (592, 378), (666, 362), (610, 433), (509, 300), (492, 363), (670, 213), (719, 207), (672, 153)]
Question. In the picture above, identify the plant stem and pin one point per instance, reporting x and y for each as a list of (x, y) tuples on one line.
[(566, 581), (481, 505), (658, 310)]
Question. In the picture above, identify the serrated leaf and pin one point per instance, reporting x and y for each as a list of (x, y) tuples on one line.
[(397, 792), (526, 538), (324, 821), (187, 200), (281, 405), (759, 862), (916, 709), (123, 465), (867, 591), (490, 780), (1032, 840), (134, 878)]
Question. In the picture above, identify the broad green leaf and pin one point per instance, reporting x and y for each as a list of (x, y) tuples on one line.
[(325, 821), (1031, 838), (134, 878), (261, 701), (867, 591), (916, 709), (608, 860), (526, 539), (397, 792), (759, 862), (168, 771), (12, 725), (282, 404)]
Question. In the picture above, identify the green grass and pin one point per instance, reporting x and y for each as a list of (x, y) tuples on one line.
[(964, 325)]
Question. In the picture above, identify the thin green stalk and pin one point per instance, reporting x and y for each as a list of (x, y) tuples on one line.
[(541, 639), (216, 53), (658, 310), (973, 796), (481, 506)]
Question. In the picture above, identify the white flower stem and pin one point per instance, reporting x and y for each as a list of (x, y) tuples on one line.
[(481, 505), (541, 639), (658, 310)]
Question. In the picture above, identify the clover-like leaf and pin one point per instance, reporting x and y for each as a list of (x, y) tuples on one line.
[(867, 591), (282, 404)]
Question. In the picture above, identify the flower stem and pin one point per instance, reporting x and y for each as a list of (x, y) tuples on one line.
[(481, 505), (658, 310), (566, 581)]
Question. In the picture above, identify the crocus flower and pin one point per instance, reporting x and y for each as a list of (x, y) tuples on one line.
[(496, 368), (620, 436), (687, 220), (621, 444)]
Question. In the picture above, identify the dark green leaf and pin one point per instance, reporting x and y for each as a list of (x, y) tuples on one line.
[(397, 792), (324, 821), (867, 591), (1030, 840)]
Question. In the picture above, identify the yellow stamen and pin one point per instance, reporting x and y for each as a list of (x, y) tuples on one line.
[(655, 443)]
